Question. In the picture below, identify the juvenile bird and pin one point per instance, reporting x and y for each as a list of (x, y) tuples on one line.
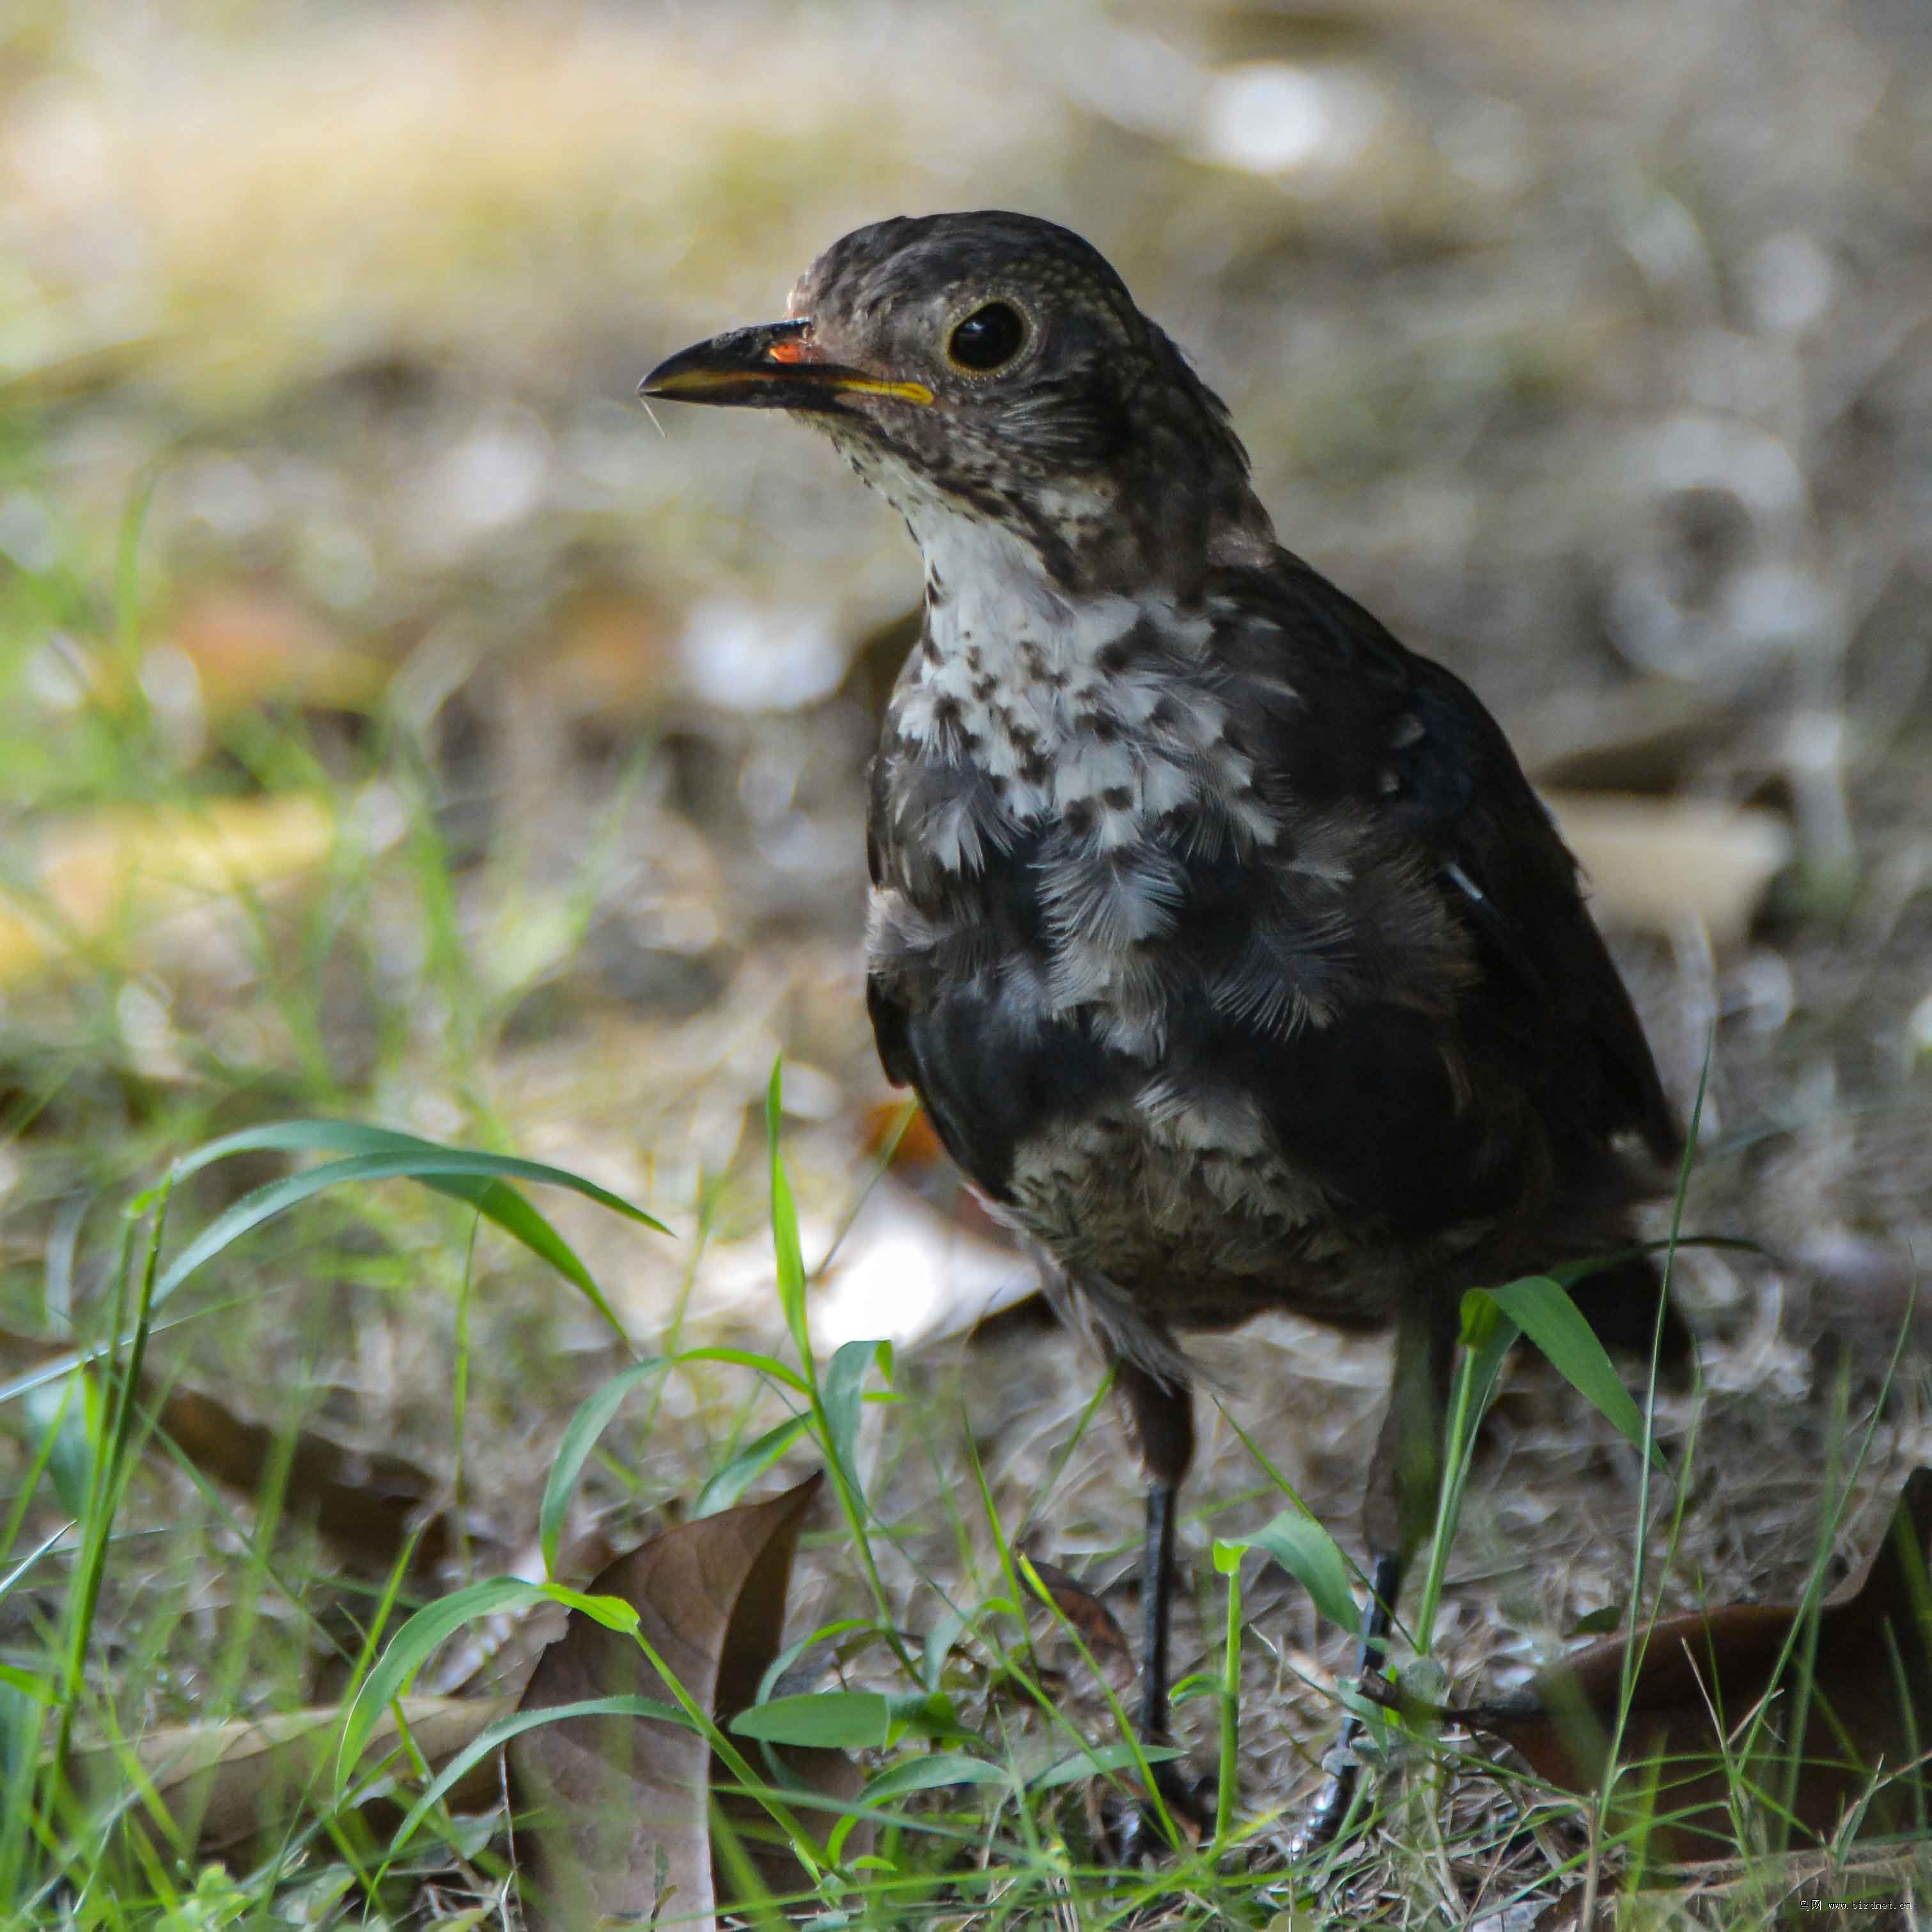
[(1221, 936)]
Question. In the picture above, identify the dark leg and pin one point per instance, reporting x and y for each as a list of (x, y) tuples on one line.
[(1161, 1416), (1398, 1514), (1156, 1587), (1385, 1574)]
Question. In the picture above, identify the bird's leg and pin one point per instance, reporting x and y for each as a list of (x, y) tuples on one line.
[(1397, 1516), (1157, 1586), (1161, 1415)]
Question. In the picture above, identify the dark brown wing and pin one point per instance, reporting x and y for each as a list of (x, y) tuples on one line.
[(1549, 1066), (1400, 737)]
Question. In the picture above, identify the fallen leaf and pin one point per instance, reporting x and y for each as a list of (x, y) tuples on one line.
[(1092, 1622), (223, 1785), (1869, 1715), (614, 1813), (1655, 864), (903, 1132), (365, 1502)]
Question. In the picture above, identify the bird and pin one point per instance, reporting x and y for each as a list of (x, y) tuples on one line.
[(1221, 936)]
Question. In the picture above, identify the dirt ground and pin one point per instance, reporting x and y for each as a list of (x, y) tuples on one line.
[(1591, 346)]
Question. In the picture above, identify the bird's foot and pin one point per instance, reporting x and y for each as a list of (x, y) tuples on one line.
[(1329, 1821), (1375, 1747), (1129, 1828)]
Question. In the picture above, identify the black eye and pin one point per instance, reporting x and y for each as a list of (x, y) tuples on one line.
[(988, 339)]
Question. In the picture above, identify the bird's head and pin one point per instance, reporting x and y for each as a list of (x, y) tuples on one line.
[(992, 367)]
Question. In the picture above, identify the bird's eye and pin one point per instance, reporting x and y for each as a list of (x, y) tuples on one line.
[(988, 339)]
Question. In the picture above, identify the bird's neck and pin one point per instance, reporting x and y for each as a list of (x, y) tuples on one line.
[(993, 598), (1052, 562)]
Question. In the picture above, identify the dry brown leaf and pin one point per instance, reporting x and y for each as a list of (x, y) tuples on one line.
[(1658, 864), (223, 1784), (613, 1813), (364, 1502), (1092, 1622), (907, 1130), (1869, 1714)]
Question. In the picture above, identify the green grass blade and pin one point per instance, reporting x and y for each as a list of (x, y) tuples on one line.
[(784, 1222), (32, 1557), (1543, 1309), (1103, 1758), (498, 1202), (933, 1772), (301, 1136), (940, 1641), (747, 1358), (594, 1414), (842, 1392), (423, 1162), (410, 1648), (1311, 1556), (722, 1490), (58, 1413), (1487, 1336), (1227, 1561), (833, 1720), (354, 1137), (786, 1658), (36, 1689), (495, 1736), (614, 1613)]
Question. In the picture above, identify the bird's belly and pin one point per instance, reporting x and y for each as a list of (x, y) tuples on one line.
[(1190, 1212)]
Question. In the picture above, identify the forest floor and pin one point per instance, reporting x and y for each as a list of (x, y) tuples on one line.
[(399, 727)]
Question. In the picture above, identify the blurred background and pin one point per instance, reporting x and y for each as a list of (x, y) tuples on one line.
[(397, 723)]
